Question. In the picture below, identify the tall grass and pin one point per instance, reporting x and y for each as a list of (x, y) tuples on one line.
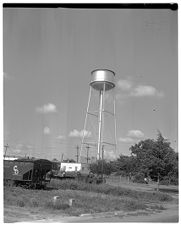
[(89, 198), (110, 190), (85, 202)]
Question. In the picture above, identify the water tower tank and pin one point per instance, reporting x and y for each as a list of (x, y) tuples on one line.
[(102, 79)]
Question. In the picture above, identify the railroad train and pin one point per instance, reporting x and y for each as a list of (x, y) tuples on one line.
[(28, 173)]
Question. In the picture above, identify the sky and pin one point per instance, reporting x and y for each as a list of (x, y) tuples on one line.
[(48, 56)]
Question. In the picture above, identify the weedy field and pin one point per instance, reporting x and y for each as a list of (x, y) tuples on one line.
[(113, 191), (88, 198)]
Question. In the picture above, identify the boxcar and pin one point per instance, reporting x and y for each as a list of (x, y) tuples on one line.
[(30, 173)]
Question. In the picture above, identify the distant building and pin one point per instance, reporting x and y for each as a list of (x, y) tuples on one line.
[(10, 158), (70, 166)]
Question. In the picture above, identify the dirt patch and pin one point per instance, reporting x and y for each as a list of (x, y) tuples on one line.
[(18, 214)]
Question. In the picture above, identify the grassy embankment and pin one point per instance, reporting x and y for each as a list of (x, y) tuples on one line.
[(89, 198)]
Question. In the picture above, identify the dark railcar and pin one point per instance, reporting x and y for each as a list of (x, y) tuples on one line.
[(31, 173)]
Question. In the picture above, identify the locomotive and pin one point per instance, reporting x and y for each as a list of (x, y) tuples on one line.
[(28, 173)]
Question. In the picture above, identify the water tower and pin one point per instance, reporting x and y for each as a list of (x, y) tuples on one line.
[(102, 82)]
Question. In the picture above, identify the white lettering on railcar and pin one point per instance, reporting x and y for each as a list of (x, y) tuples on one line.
[(16, 171)]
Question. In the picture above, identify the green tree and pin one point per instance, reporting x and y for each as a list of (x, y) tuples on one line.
[(69, 160), (155, 158), (100, 167), (125, 165)]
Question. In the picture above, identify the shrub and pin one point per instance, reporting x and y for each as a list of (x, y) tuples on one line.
[(169, 180), (158, 207), (164, 197), (34, 202), (174, 180), (20, 203), (139, 178), (57, 206), (165, 182), (133, 205)]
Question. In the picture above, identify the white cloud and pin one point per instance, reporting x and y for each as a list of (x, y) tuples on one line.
[(46, 130), (124, 85), (21, 148), (132, 136), (141, 90), (17, 151), (60, 137), (109, 155), (85, 133), (47, 108), (127, 88), (126, 140), (76, 133), (135, 134)]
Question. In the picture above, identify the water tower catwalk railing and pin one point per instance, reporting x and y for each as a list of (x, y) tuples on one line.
[(102, 80)]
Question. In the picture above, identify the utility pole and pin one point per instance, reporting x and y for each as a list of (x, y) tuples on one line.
[(77, 155), (87, 153), (6, 148), (62, 158)]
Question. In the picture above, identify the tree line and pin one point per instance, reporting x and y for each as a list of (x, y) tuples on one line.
[(153, 159)]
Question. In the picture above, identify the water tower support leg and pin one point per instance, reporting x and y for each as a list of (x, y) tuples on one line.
[(115, 124), (85, 124), (100, 124)]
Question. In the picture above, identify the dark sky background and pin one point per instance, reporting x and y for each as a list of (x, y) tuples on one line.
[(47, 61)]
